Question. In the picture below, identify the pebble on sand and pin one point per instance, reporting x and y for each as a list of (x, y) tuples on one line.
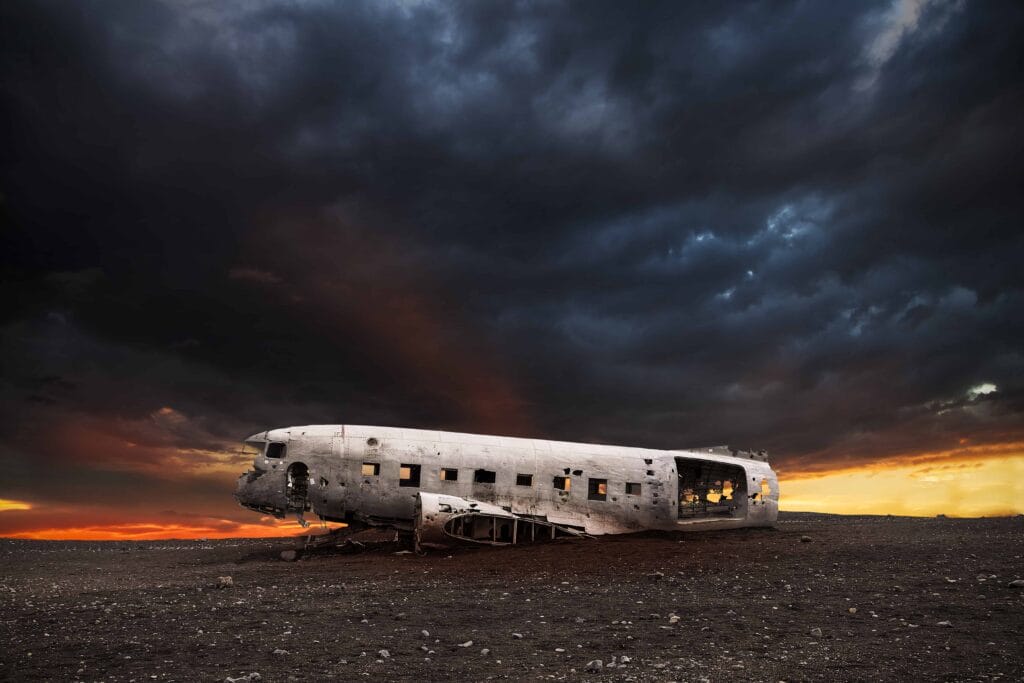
[(254, 677)]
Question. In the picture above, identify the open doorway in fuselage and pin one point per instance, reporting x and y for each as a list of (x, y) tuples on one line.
[(709, 489), (297, 487)]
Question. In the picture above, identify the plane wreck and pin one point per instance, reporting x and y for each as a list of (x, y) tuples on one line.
[(450, 488)]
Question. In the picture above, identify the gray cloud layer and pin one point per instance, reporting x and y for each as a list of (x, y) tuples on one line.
[(772, 224)]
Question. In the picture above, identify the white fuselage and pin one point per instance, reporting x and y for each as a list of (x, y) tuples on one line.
[(376, 475)]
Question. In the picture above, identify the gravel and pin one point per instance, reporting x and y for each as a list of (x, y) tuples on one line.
[(747, 600)]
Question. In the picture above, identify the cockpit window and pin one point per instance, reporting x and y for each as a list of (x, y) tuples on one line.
[(276, 450)]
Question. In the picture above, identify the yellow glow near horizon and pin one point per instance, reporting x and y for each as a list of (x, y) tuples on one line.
[(967, 488), (13, 505)]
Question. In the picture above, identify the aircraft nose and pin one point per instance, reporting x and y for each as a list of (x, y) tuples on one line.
[(245, 486), (262, 491), (241, 487)]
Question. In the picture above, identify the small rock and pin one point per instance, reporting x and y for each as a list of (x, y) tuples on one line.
[(625, 659), (517, 636), (806, 539), (673, 619), (279, 651), (289, 555), (1016, 583), (657, 576), (404, 552), (559, 649), (816, 632), (425, 633), (595, 665), (485, 652), (945, 624), (852, 610), (225, 582), (384, 654), (468, 643)]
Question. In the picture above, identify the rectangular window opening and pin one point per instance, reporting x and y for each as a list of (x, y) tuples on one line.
[(276, 450), (562, 483), (483, 477), (632, 489), (524, 480), (409, 475), (371, 469), (597, 489), (449, 474)]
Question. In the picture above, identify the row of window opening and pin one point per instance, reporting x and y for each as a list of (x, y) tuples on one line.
[(409, 475)]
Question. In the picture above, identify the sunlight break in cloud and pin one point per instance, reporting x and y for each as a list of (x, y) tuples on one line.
[(981, 390)]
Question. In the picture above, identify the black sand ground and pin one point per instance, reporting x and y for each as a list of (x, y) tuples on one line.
[(866, 598)]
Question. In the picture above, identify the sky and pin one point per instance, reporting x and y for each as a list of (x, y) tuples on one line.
[(794, 226)]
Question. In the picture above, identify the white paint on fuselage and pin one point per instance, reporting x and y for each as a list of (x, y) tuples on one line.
[(338, 490)]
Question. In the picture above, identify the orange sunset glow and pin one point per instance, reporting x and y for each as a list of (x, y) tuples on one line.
[(153, 531), (975, 487)]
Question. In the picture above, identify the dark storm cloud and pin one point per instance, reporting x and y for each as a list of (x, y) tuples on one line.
[(776, 224)]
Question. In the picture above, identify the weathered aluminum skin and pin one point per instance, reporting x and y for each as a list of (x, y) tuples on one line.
[(328, 459)]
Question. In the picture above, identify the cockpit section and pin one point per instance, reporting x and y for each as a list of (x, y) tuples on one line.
[(253, 449), (265, 450), (261, 488)]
